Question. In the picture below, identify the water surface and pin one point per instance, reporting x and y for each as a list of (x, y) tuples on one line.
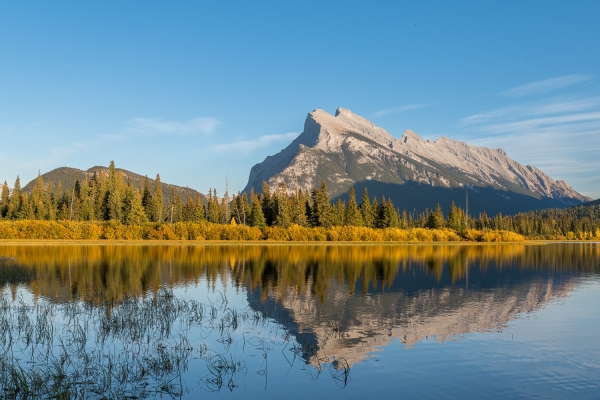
[(301, 321)]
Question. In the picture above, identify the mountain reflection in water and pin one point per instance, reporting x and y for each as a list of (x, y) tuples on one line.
[(343, 300)]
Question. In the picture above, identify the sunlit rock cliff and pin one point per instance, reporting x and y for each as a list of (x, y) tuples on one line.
[(351, 327), (347, 150)]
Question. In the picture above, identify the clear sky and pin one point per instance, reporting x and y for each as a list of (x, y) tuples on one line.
[(200, 90)]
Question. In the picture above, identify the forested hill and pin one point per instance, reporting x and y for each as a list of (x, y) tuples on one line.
[(67, 177), (593, 203)]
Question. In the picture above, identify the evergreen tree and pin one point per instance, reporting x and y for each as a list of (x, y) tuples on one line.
[(199, 212), (388, 216), (257, 217), (353, 215), (339, 212), (375, 214), (321, 210), (282, 206), (299, 206), (147, 198), (14, 206), (213, 210), (404, 221), (267, 204), (366, 210), (115, 194), (4, 200), (454, 218), (136, 214), (435, 220), (157, 201)]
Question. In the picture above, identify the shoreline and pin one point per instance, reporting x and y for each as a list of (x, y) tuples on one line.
[(109, 242)]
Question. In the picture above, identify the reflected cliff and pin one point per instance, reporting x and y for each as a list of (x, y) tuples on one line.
[(344, 300)]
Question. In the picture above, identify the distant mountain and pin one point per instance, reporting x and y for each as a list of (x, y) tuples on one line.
[(347, 150), (67, 176)]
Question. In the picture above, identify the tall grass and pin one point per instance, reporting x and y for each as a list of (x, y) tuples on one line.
[(136, 348)]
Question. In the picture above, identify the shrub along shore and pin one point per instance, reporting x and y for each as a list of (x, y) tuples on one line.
[(111, 230)]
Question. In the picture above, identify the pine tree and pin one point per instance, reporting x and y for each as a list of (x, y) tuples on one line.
[(147, 198), (135, 209), (267, 204), (389, 215), (353, 215), (299, 208), (282, 206), (199, 212), (435, 220), (4, 200), (116, 193), (366, 210), (375, 214), (157, 201), (321, 211), (14, 206), (213, 210), (454, 218), (257, 217), (339, 213)]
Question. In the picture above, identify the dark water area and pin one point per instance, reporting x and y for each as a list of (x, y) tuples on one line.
[(300, 321)]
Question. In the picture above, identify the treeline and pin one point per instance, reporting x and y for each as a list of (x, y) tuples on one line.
[(109, 197)]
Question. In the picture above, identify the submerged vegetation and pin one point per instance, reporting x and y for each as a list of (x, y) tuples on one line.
[(139, 348), (111, 321), (105, 206)]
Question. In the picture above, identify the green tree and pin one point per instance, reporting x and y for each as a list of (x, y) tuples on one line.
[(4, 200), (147, 198), (136, 214), (14, 206), (115, 194), (282, 206), (267, 205), (157, 201), (366, 210), (435, 220), (321, 210), (353, 215), (257, 217)]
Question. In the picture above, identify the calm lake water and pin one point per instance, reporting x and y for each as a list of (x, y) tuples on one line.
[(300, 321)]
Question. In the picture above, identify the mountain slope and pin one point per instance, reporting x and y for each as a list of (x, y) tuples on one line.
[(67, 177), (347, 150)]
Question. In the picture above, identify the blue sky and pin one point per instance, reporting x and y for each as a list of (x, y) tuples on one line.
[(200, 90)]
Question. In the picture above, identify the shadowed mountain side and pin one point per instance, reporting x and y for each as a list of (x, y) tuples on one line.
[(414, 196), (351, 327), (346, 149), (67, 177)]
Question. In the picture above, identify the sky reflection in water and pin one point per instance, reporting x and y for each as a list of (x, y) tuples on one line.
[(341, 321)]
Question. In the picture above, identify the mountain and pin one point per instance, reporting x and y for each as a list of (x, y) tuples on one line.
[(67, 177), (412, 309), (347, 150)]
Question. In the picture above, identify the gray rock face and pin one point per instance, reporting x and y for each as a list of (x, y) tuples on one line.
[(347, 150)]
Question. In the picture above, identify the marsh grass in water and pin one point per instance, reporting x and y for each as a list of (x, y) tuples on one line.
[(139, 348)]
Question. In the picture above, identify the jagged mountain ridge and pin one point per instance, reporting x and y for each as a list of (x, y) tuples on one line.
[(411, 310), (347, 150), (67, 177)]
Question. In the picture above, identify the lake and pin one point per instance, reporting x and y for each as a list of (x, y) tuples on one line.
[(300, 321)]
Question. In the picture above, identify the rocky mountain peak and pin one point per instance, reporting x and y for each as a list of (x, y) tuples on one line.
[(346, 150)]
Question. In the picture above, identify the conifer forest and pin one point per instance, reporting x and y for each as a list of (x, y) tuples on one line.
[(111, 200)]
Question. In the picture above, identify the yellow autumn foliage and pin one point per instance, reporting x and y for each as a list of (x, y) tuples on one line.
[(68, 230)]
